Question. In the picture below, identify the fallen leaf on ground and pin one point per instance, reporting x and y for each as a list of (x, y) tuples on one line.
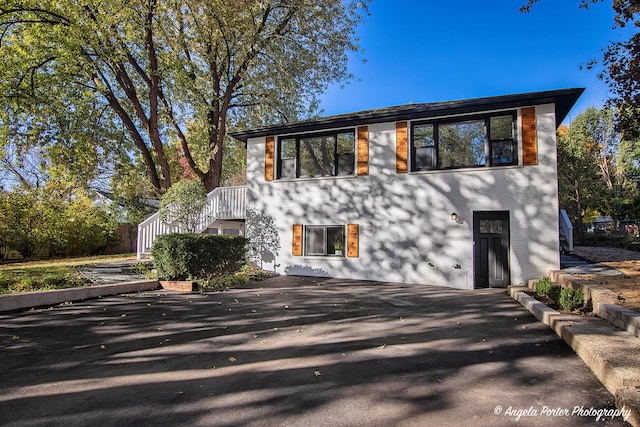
[(232, 359), (15, 337), (317, 373), (382, 347)]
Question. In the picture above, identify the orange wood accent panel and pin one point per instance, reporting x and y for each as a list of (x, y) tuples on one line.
[(529, 138), (352, 240), (363, 150), (402, 148), (297, 240), (269, 154)]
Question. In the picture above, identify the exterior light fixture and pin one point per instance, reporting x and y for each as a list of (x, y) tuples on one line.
[(454, 217)]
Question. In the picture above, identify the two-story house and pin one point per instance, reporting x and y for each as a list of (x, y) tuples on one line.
[(461, 193)]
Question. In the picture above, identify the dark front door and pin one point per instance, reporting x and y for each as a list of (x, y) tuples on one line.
[(491, 249)]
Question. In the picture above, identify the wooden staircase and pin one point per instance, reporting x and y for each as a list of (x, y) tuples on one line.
[(223, 203)]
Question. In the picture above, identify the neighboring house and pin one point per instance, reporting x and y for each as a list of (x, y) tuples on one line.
[(461, 194)]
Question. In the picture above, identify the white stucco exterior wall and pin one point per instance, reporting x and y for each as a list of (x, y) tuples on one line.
[(406, 233)]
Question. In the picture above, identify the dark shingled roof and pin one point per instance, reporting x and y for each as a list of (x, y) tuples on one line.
[(563, 99)]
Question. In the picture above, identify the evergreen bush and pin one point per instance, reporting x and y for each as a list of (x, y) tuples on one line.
[(571, 299), (197, 256), (543, 286), (554, 292)]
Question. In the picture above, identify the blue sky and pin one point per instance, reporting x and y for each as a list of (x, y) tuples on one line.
[(433, 50)]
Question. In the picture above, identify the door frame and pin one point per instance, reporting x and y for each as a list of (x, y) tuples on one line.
[(505, 217)]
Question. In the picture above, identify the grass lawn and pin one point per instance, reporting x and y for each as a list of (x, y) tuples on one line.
[(64, 273), (49, 274)]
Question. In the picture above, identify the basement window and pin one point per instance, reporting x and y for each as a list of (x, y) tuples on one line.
[(321, 240)]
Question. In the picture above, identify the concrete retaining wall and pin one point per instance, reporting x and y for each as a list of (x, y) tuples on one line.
[(36, 299), (601, 299), (613, 356), (623, 318)]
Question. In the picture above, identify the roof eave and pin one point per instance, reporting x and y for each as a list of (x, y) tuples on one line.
[(563, 99)]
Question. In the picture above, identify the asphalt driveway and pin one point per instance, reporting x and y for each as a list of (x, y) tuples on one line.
[(293, 351)]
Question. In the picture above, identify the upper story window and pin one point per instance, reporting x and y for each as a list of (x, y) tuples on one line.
[(317, 155), (464, 142)]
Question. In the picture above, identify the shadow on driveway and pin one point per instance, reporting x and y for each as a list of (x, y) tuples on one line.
[(291, 351)]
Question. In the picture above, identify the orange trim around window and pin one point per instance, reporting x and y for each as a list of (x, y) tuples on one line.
[(363, 150), (402, 147), (529, 137), (269, 155), (296, 249), (352, 240)]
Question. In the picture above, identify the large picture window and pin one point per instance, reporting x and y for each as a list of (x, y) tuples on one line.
[(464, 143), (321, 240), (311, 156)]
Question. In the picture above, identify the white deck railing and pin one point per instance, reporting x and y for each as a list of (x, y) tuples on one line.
[(566, 229), (222, 203)]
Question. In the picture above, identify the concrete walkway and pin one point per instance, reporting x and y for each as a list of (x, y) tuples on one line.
[(295, 351), (112, 272), (575, 265)]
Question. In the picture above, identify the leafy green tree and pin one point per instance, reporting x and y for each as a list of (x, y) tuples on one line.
[(579, 184), (132, 190), (55, 140), (234, 171), (156, 65), (87, 229), (182, 204), (67, 221), (22, 223), (621, 62), (597, 170), (626, 204)]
